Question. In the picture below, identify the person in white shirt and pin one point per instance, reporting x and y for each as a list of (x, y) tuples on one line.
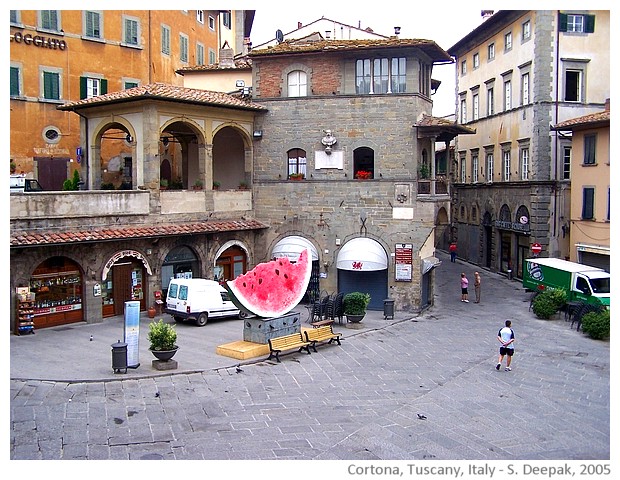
[(506, 336)]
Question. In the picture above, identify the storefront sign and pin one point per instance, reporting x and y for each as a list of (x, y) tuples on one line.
[(132, 333), (39, 41), (97, 290), (57, 309), (404, 262), (514, 226)]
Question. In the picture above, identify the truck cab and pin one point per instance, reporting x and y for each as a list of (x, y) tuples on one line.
[(19, 183)]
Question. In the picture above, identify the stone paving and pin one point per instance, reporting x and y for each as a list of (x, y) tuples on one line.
[(413, 388)]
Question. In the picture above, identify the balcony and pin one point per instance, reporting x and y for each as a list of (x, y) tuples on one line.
[(435, 187)]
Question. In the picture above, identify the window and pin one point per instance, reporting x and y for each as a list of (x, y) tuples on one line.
[(49, 20), (92, 22), (476, 60), (212, 57), (200, 54), (398, 78), (165, 40), (474, 168), (608, 203), (200, 16), (572, 86), (131, 32), (211, 23), (463, 111), (491, 51), (183, 47), (380, 75), (587, 209), (508, 41), (506, 155), (589, 149), (297, 84), (226, 19), (463, 169), (476, 102), (490, 169), (51, 85), (14, 17), (525, 163), (490, 101), (130, 84), (576, 23), (525, 89), (297, 161), (526, 30), (507, 95), (15, 82), (463, 67), (566, 157), (92, 87), (364, 161)]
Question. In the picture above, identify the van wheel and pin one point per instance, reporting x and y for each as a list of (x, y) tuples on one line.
[(201, 321)]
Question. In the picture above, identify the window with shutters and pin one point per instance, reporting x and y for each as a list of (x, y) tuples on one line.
[(200, 54), (49, 20), (589, 149), (92, 24), (183, 47), (50, 85), (15, 80), (165, 39), (92, 87), (576, 23), (131, 31), (587, 209)]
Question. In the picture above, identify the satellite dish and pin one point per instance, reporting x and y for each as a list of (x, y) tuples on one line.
[(279, 35)]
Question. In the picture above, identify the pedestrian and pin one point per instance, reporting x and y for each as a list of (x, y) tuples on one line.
[(464, 285), (477, 282), (506, 336), (452, 249)]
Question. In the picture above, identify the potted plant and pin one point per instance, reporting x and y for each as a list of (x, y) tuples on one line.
[(424, 171), (163, 184), (355, 305), (216, 185), (198, 185), (162, 338), (296, 176), (13, 167), (243, 185)]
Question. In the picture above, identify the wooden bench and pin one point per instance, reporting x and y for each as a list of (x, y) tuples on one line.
[(322, 323), (322, 334), (287, 342)]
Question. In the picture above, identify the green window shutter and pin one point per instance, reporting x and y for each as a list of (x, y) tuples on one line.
[(83, 88), (51, 86), (104, 86), (589, 23), (14, 81), (563, 22)]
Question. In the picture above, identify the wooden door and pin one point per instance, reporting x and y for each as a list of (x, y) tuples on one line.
[(121, 283)]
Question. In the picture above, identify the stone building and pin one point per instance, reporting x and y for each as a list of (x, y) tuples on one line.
[(518, 74)]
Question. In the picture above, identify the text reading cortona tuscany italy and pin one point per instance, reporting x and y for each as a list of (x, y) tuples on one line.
[(483, 470)]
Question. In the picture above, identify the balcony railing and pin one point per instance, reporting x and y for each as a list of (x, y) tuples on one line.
[(437, 186)]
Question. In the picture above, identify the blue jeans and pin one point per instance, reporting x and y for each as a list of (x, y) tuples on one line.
[(453, 257)]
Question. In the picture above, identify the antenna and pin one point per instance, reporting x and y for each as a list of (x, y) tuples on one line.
[(279, 36)]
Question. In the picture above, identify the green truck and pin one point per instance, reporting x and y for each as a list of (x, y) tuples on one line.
[(581, 282)]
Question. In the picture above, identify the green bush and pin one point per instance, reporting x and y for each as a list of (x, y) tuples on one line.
[(557, 296), (162, 336), (596, 324), (72, 183), (355, 303), (544, 307)]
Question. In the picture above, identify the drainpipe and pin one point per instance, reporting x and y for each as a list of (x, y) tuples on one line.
[(557, 108)]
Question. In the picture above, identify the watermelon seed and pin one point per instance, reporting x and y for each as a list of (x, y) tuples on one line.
[(285, 275), (260, 280), (277, 272)]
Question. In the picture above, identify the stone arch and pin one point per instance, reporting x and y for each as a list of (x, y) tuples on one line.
[(181, 146), (113, 162), (231, 152)]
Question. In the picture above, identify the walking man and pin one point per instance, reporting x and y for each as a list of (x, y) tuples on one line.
[(452, 249), (464, 286), (506, 337), (477, 282)]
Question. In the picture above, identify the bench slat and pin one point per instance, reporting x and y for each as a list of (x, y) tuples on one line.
[(322, 334), (287, 342)]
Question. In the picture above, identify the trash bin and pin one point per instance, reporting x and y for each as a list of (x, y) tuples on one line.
[(119, 357), (388, 308), (509, 272)]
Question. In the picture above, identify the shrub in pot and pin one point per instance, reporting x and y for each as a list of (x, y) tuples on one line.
[(162, 337), (355, 305)]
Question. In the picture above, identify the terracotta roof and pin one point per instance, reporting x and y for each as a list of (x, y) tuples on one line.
[(239, 65), (435, 52), (428, 121), (590, 120), (167, 92), (54, 237)]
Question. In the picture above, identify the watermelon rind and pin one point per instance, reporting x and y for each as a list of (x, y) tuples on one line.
[(265, 293)]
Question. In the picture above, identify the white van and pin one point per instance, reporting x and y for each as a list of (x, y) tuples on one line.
[(198, 299)]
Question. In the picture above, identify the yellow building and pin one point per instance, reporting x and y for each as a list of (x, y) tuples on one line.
[(58, 56)]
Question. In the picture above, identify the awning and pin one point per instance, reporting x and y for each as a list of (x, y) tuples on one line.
[(292, 246), (362, 254), (429, 263)]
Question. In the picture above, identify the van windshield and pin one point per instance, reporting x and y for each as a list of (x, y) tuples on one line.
[(600, 285), (172, 291), (183, 292)]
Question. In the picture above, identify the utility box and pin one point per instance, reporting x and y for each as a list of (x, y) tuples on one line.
[(119, 357), (388, 308), (261, 330)]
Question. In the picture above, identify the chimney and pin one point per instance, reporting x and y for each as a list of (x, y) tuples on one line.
[(299, 25), (328, 34), (486, 14), (227, 56), (607, 105), (396, 30)]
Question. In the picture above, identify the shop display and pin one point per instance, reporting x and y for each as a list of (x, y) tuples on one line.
[(58, 298), (25, 311)]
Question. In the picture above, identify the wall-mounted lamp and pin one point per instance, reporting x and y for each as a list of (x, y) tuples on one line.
[(165, 141), (257, 134), (129, 138)]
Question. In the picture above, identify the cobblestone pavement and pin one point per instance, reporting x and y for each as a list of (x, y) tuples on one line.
[(420, 387)]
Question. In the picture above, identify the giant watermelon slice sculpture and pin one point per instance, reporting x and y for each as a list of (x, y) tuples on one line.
[(272, 288)]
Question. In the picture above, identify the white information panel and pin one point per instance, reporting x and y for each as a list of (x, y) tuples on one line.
[(132, 333)]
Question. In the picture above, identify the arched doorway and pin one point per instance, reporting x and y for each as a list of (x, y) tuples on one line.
[(229, 158), (181, 262), (231, 263), (124, 279), (57, 285)]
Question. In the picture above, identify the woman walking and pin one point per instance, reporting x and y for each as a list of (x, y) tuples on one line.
[(464, 286)]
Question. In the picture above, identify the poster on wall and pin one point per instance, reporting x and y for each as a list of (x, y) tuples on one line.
[(404, 262), (132, 333)]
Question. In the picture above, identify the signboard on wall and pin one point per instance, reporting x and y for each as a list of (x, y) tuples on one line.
[(404, 262), (132, 333)]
